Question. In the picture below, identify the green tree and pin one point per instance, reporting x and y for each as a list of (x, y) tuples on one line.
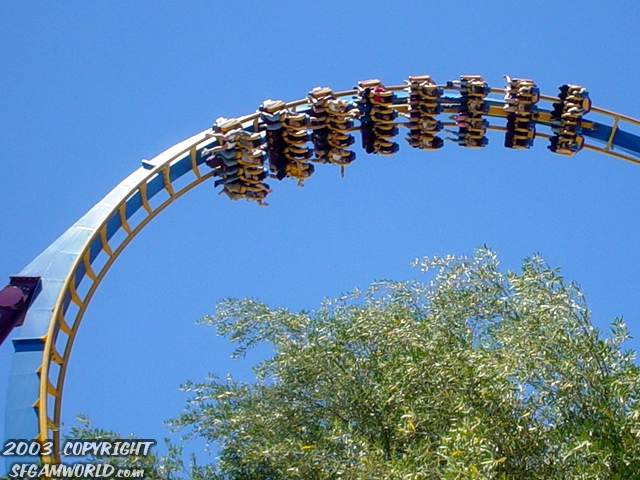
[(477, 374), (156, 466)]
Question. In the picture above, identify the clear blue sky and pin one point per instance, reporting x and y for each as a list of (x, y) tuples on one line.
[(88, 89)]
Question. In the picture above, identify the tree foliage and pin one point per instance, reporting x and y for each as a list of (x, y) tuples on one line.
[(477, 374), (168, 466)]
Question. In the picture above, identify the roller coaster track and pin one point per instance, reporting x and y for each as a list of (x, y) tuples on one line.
[(72, 267)]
